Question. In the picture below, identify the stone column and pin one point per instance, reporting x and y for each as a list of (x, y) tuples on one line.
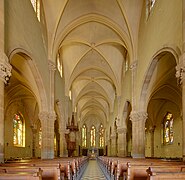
[(113, 145), (152, 130), (122, 143), (52, 69), (62, 131), (34, 133), (2, 22), (47, 125), (5, 73), (138, 134), (180, 74), (133, 68), (77, 143)]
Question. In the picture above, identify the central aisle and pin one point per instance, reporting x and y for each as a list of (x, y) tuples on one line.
[(93, 171)]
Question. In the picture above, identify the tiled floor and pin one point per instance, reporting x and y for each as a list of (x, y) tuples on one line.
[(93, 171)]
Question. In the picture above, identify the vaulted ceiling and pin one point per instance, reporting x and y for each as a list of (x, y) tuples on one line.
[(94, 39)]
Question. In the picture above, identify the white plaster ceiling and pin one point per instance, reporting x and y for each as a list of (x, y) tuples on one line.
[(93, 38)]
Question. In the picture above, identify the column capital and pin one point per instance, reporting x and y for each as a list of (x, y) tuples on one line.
[(180, 69), (52, 66), (52, 116), (133, 65), (122, 130), (180, 74), (113, 136), (138, 116), (5, 68), (43, 116), (152, 129)]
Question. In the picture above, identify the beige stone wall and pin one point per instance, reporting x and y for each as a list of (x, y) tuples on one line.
[(23, 31), (162, 29), (10, 149), (160, 150)]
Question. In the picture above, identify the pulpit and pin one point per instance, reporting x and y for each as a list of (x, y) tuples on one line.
[(71, 136)]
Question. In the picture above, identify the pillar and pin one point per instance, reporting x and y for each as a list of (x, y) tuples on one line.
[(62, 130), (180, 74), (152, 130), (122, 143), (47, 125), (109, 147), (34, 133), (138, 134), (133, 68), (5, 73), (113, 145)]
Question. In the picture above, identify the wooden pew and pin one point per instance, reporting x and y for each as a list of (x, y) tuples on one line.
[(154, 172), (167, 176), (20, 176), (60, 168), (132, 168), (139, 169)]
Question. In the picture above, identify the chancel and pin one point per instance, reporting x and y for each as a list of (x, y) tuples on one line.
[(92, 89)]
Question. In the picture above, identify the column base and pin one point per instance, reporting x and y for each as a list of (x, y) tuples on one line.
[(47, 155), (121, 153), (183, 158), (138, 156), (1, 157)]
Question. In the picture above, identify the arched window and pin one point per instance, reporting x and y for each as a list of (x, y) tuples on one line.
[(101, 134), (93, 136), (59, 65), (149, 6), (84, 136), (55, 142), (40, 137), (168, 128), (18, 130), (36, 7)]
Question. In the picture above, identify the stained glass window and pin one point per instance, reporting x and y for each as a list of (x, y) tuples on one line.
[(93, 136), (40, 138), (55, 142), (18, 130), (84, 136), (168, 129), (101, 136), (36, 7)]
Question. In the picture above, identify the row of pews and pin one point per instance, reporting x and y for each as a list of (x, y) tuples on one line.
[(56, 169), (115, 168)]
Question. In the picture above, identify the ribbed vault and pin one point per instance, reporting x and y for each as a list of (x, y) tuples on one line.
[(94, 40)]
